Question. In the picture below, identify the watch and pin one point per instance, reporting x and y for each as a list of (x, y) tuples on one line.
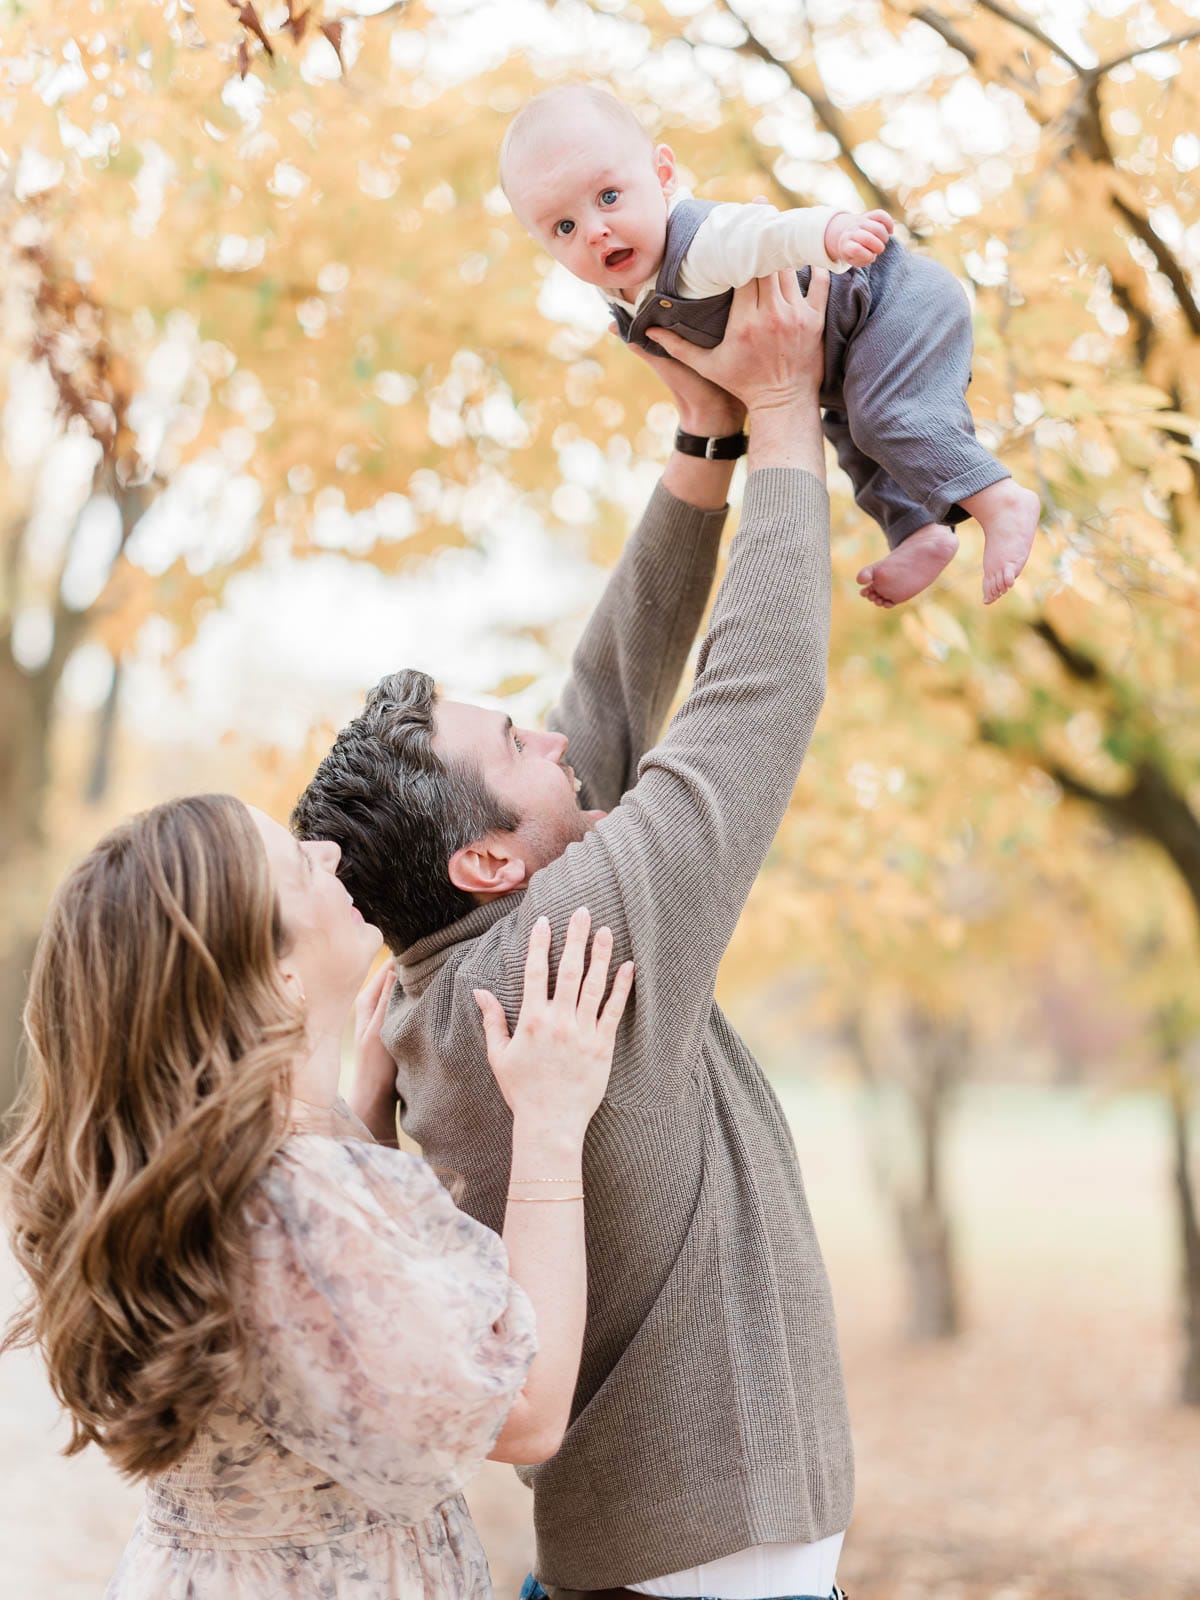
[(727, 448)]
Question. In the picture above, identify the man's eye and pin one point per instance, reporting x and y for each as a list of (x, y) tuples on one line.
[(562, 229), (609, 197)]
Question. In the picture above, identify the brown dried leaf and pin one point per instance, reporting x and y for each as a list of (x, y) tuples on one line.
[(333, 32), (297, 23), (249, 20)]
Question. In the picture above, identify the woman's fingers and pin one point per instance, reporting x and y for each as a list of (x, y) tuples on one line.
[(384, 996), (614, 1009), (495, 1023), (570, 964), (596, 981), (537, 965), (366, 1002)]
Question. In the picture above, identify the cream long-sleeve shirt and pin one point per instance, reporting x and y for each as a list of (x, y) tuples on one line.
[(736, 243)]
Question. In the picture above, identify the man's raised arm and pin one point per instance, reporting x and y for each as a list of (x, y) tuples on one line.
[(669, 871), (626, 668)]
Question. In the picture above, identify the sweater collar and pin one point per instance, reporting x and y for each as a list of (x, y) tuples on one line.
[(417, 966)]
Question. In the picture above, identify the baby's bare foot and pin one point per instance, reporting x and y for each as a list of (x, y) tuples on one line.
[(1009, 517), (911, 567)]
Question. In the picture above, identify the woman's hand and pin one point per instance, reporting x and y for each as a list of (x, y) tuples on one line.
[(555, 1066), (372, 1095)]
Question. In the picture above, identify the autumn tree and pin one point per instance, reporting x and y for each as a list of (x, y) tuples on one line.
[(305, 211)]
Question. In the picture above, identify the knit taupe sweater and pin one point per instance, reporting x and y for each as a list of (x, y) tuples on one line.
[(710, 1413)]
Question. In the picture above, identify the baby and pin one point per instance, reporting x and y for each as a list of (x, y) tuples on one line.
[(588, 184)]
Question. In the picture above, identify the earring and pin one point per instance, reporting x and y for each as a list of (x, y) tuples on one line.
[(290, 978)]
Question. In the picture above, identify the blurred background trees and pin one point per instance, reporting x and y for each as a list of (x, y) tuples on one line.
[(263, 303)]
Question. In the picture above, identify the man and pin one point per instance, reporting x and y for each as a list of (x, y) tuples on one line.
[(709, 1449)]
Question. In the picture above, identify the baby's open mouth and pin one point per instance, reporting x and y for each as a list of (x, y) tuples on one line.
[(614, 260)]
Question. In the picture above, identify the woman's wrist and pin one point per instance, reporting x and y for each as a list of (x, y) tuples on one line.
[(544, 1149), (375, 1105)]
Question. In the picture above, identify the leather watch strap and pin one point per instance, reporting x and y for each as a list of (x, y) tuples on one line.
[(726, 448)]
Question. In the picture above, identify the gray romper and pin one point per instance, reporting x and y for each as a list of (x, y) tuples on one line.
[(897, 364)]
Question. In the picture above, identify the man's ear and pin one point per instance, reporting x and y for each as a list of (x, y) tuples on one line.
[(664, 166), (487, 868)]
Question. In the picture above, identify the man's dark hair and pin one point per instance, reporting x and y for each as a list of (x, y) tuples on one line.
[(399, 812)]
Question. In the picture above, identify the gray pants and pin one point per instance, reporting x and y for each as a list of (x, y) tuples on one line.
[(897, 364)]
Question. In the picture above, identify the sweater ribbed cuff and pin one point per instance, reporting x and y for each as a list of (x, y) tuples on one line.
[(679, 520), (785, 492)]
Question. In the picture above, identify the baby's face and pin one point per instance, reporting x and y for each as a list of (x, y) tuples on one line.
[(594, 202)]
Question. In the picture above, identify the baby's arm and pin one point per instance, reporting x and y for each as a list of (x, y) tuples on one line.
[(736, 243)]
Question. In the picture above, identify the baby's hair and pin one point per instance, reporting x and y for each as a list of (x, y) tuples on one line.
[(557, 102)]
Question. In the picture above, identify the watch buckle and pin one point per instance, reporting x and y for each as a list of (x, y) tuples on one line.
[(710, 449)]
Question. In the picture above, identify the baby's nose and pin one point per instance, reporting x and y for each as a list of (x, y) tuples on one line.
[(599, 231)]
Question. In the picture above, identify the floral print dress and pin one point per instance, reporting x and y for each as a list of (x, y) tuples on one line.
[(387, 1344)]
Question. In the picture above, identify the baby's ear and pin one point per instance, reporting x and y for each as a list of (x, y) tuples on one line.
[(664, 166)]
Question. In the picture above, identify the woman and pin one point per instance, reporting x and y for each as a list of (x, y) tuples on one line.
[(286, 1329)]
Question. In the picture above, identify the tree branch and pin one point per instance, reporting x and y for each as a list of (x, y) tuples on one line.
[(946, 30), (1166, 261), (1080, 666), (1145, 50), (1027, 25), (812, 87)]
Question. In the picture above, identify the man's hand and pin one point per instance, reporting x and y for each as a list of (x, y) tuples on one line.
[(703, 407), (858, 238), (772, 354)]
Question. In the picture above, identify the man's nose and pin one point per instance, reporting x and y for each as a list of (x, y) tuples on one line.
[(554, 745), (329, 853)]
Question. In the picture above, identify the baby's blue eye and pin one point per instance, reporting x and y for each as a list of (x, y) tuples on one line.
[(562, 229), (609, 197)]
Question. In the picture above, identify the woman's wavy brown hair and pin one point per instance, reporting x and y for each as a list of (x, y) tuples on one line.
[(161, 1038)]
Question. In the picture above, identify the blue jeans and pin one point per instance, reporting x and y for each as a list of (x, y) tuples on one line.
[(532, 1590)]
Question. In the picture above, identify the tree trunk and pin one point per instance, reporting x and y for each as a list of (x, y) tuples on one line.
[(914, 1189), (14, 975), (925, 1227), (100, 775), (1189, 1230), (24, 780), (929, 1257)]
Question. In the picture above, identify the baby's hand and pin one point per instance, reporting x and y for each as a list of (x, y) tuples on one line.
[(857, 239)]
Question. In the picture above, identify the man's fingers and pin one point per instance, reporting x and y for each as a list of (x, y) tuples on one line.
[(495, 1023), (818, 291), (678, 347), (771, 291), (537, 965), (594, 984)]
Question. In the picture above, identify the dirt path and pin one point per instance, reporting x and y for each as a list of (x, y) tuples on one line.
[(1039, 1456)]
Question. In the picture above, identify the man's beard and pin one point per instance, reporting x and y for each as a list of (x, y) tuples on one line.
[(548, 837)]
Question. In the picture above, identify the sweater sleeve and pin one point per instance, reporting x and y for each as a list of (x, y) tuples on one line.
[(670, 869), (626, 669), (736, 243)]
